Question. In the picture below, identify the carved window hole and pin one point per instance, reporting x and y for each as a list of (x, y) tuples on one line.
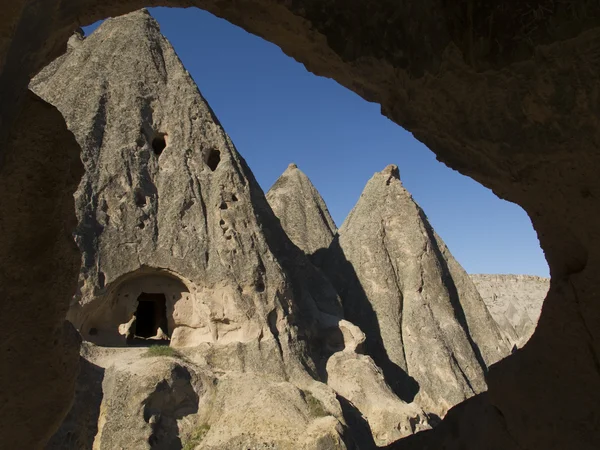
[(213, 158), (159, 142)]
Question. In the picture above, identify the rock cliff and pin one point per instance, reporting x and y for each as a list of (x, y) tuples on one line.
[(515, 303), (425, 323)]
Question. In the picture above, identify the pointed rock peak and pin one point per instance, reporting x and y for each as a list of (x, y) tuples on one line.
[(408, 281), (140, 16), (159, 190), (76, 38), (130, 30), (295, 175), (391, 172), (301, 210), (141, 13), (292, 171)]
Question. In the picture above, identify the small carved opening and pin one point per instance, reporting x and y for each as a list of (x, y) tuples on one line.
[(151, 315), (159, 142), (213, 159), (223, 205), (234, 198)]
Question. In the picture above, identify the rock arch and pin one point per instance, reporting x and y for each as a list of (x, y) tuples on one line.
[(107, 319), (504, 93)]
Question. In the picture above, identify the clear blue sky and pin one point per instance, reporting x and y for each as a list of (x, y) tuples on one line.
[(276, 113)]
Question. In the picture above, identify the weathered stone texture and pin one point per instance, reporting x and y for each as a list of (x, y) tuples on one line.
[(38, 175), (515, 303), (165, 196), (357, 379), (425, 323), (168, 207), (301, 210), (504, 92)]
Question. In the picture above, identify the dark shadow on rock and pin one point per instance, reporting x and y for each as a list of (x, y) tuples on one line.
[(311, 287), (359, 311), (472, 424), (359, 434), (81, 424), (448, 282), (166, 405), (433, 419)]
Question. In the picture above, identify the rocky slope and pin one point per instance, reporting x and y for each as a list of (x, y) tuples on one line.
[(515, 303), (179, 244), (301, 211), (425, 323)]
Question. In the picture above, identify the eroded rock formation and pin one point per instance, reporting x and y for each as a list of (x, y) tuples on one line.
[(301, 210), (425, 323), (502, 92), (515, 303), (179, 245), (167, 205)]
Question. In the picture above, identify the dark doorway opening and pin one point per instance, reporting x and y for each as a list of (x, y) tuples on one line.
[(151, 314)]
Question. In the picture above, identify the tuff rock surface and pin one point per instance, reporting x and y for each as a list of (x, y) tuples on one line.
[(301, 210), (515, 303), (168, 209), (35, 297), (128, 398), (425, 324), (166, 203), (502, 92), (357, 379)]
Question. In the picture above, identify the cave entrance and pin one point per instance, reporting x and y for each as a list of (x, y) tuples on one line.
[(150, 315)]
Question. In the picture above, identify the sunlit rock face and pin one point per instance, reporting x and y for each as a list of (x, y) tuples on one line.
[(165, 196), (515, 303), (301, 210), (496, 92), (425, 323), (180, 247)]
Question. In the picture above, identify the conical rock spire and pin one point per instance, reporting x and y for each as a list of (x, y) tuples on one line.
[(425, 323), (301, 211)]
